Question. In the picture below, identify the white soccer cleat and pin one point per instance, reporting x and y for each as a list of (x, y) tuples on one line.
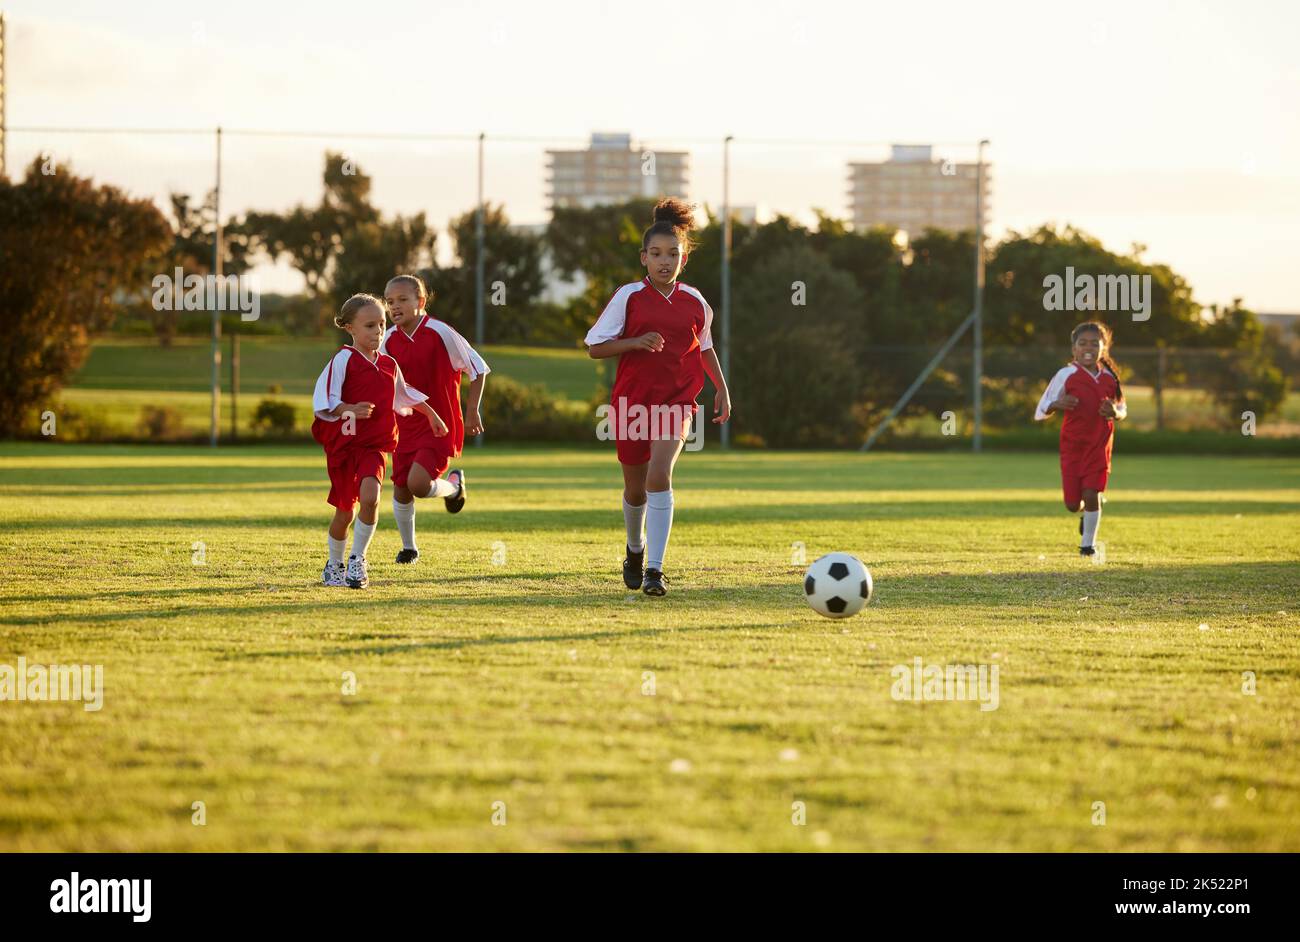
[(334, 575), (356, 576)]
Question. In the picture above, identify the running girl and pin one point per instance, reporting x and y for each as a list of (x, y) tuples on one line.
[(433, 356), (659, 329), (355, 399), (1088, 393)]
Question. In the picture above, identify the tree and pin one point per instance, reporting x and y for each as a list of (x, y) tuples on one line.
[(97, 248), (343, 245), (512, 280)]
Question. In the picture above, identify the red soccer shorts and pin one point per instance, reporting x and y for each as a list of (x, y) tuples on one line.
[(1074, 483), (432, 461), (640, 425), (346, 474)]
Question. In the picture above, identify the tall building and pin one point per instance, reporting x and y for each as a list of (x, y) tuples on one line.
[(913, 191), (611, 170)]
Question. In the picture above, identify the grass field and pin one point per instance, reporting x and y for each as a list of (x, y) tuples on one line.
[(511, 666), (123, 377)]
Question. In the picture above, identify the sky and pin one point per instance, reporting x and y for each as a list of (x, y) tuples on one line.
[(1172, 125)]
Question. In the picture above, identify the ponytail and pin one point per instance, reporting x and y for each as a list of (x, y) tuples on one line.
[(672, 217), (1114, 371)]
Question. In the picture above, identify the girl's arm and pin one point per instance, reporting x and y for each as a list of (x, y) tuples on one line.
[(612, 348), (722, 398), (361, 410), (435, 421), (1054, 398), (473, 420), (1114, 409)]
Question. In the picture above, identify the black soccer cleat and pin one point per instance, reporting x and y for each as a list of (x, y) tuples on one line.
[(454, 504), (656, 583), (407, 556), (634, 569), (1087, 551)]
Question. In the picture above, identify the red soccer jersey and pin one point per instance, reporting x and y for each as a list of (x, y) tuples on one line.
[(433, 356), (675, 374), (351, 376), (1086, 435)]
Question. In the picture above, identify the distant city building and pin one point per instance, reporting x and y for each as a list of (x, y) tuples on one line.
[(1288, 322), (611, 170), (913, 191), (749, 214)]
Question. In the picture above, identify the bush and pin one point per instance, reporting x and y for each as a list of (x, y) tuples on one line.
[(515, 412), (75, 424), (161, 423), (274, 416)]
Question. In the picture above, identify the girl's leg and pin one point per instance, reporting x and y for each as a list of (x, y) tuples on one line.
[(338, 535), (659, 498), (634, 476), (367, 517), (339, 525), (421, 483), (1091, 517)]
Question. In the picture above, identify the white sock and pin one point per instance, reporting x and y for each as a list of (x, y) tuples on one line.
[(336, 549), (362, 533), (634, 519), (658, 523), (443, 488), (1091, 520), (404, 516)]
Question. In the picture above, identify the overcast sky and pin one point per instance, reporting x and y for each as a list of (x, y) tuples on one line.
[(1170, 124)]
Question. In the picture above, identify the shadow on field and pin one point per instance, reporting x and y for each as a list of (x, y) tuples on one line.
[(147, 470), (870, 509), (1203, 590)]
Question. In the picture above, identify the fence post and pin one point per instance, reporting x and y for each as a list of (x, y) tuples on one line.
[(1160, 387), (234, 385), (215, 418)]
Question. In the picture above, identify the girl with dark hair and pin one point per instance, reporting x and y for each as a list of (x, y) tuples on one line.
[(1088, 393), (659, 329)]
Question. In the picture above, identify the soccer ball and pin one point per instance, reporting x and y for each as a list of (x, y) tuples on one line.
[(837, 585)]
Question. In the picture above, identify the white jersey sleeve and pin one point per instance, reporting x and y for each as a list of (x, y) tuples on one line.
[(706, 335), (1053, 392), (329, 387), (609, 326), (463, 356), (383, 344), (404, 397)]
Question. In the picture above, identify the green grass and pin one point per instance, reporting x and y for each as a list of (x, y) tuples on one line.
[(509, 665), (294, 363)]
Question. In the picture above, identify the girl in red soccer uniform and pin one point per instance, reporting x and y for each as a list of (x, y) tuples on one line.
[(433, 356), (356, 397), (659, 329), (1088, 394)]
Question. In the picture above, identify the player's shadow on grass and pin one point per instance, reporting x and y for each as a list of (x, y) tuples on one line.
[(1202, 590), (866, 512)]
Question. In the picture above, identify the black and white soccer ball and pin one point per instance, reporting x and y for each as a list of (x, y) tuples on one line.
[(837, 585)]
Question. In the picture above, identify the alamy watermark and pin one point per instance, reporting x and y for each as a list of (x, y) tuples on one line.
[(634, 422), (1123, 293), (194, 292), (69, 682), (925, 682)]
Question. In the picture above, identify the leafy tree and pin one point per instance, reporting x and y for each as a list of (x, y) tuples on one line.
[(512, 275), (97, 247)]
